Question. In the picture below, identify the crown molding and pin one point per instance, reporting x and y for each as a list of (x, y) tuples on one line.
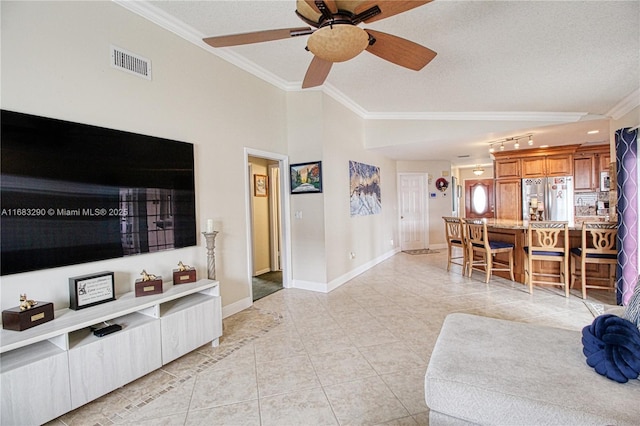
[(561, 117), (168, 22), (624, 106), (179, 28)]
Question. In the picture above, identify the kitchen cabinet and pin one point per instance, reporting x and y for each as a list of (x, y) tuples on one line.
[(604, 162), (559, 165), (587, 164), (533, 167), (584, 173), (508, 199), (553, 165), (507, 168)]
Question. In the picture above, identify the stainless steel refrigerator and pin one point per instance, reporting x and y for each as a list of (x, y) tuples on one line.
[(549, 198)]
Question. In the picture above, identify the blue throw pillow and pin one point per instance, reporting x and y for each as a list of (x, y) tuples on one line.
[(612, 347)]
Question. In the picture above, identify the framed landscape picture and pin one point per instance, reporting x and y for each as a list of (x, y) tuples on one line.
[(306, 177)]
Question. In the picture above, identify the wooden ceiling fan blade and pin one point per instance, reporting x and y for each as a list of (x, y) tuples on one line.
[(400, 51), (352, 5), (388, 8), (256, 37), (316, 73)]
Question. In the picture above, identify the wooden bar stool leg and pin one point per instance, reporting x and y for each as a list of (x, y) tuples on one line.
[(511, 261), (583, 279), (566, 278), (489, 266)]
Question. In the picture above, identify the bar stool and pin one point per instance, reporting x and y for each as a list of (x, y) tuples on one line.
[(478, 243), (454, 231), (598, 247), (547, 242)]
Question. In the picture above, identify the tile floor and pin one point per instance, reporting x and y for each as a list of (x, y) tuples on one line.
[(354, 356)]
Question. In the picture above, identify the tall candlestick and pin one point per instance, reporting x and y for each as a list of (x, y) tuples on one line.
[(210, 238)]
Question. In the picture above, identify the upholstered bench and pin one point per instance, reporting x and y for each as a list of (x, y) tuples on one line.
[(490, 371)]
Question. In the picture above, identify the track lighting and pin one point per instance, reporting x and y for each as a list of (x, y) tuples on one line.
[(514, 139)]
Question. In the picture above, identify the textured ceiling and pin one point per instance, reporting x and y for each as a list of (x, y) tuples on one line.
[(503, 68)]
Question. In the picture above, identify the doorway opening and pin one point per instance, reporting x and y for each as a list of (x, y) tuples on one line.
[(267, 227), (479, 199)]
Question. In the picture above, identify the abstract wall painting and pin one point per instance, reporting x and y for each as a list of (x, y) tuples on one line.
[(364, 189)]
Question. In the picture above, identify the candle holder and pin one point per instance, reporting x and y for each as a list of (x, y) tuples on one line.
[(210, 238)]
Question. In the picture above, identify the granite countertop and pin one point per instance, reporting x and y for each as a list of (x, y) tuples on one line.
[(576, 225)]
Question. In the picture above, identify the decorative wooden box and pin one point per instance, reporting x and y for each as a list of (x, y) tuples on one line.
[(147, 288), (184, 277), (17, 320)]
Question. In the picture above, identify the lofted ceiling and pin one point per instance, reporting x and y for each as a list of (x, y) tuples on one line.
[(554, 69)]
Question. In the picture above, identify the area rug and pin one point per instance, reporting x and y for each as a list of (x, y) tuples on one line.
[(265, 284), (421, 251)]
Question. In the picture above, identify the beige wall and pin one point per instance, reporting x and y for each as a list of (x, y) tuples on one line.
[(326, 234), (368, 237), (55, 63)]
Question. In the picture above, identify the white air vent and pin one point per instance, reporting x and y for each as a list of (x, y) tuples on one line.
[(130, 62)]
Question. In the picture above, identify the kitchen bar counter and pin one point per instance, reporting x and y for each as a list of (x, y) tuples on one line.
[(524, 224), (515, 232)]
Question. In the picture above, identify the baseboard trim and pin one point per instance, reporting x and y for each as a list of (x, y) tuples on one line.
[(236, 307), (333, 284)]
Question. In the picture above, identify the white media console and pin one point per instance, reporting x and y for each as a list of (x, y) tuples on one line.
[(58, 366)]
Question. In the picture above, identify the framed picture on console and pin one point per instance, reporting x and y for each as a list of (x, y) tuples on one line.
[(90, 290)]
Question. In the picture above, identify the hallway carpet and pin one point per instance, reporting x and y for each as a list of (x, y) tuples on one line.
[(266, 284)]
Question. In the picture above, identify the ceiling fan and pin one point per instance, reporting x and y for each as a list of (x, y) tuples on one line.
[(336, 36)]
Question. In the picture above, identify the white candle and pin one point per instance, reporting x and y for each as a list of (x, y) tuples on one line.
[(209, 226)]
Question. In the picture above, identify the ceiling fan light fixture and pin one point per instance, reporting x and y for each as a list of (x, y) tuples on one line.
[(478, 171), (338, 42)]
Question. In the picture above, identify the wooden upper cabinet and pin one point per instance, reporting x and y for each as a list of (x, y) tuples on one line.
[(507, 168), (508, 199), (588, 162), (604, 162), (584, 173), (559, 165), (534, 167)]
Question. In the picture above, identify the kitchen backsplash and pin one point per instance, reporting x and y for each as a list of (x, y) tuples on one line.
[(591, 203)]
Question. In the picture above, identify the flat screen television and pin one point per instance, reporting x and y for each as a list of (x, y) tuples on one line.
[(72, 193)]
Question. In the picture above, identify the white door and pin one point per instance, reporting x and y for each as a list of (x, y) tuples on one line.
[(413, 208)]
